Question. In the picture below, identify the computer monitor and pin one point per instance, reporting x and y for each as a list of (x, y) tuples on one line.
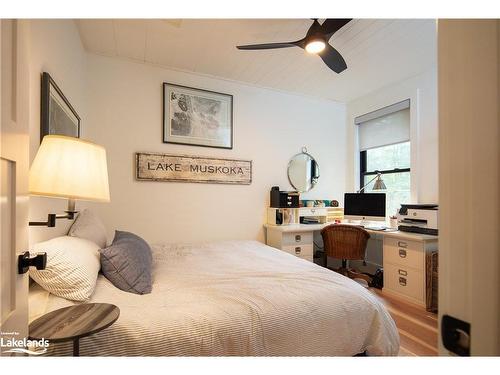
[(364, 206)]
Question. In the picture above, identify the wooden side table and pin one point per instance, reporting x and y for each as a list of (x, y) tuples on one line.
[(74, 322)]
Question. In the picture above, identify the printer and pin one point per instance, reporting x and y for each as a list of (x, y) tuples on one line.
[(418, 218)]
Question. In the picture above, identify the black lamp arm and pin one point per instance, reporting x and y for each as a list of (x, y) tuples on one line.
[(51, 218)]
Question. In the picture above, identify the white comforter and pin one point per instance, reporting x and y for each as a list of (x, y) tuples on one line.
[(239, 298)]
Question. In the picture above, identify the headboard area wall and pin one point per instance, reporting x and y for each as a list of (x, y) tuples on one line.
[(125, 116), (55, 47)]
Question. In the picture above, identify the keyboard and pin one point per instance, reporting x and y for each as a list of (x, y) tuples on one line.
[(376, 228)]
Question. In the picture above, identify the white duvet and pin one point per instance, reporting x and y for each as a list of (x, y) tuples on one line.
[(238, 298)]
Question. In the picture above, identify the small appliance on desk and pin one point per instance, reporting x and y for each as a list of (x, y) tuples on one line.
[(283, 206), (418, 218), (284, 199)]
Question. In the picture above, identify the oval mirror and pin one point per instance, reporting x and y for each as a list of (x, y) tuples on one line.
[(303, 172)]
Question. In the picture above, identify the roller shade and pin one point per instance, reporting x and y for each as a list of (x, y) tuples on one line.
[(385, 126)]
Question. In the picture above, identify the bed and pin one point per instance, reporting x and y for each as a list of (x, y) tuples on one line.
[(235, 298)]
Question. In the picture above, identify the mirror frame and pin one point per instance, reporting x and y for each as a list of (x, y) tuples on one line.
[(314, 179)]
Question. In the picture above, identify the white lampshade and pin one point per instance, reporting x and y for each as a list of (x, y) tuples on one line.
[(68, 167)]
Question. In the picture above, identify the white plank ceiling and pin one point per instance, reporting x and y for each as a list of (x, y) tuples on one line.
[(378, 52)]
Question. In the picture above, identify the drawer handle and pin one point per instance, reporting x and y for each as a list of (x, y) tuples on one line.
[(402, 253), (297, 250), (402, 281), (403, 272), (402, 244), (298, 238)]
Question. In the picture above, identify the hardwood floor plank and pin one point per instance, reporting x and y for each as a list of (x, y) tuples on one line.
[(418, 328), (415, 311), (411, 343), (425, 333)]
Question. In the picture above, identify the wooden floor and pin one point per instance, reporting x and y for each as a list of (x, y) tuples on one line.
[(417, 327)]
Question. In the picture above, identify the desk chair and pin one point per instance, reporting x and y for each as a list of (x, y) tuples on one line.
[(346, 242)]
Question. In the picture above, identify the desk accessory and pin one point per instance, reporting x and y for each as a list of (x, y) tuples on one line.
[(378, 185), (284, 199)]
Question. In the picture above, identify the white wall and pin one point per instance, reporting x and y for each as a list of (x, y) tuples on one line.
[(125, 116), (55, 47), (422, 92)]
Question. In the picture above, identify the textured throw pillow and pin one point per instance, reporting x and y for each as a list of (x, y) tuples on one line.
[(127, 263), (87, 225), (72, 267)]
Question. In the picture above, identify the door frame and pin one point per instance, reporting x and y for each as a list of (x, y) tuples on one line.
[(14, 150), (469, 184)]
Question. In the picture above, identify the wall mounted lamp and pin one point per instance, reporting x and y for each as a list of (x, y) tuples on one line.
[(71, 168)]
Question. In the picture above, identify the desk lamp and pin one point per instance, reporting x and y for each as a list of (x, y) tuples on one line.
[(378, 185), (67, 167)]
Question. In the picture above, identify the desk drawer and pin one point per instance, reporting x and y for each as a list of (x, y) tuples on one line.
[(313, 211), (405, 281), (301, 251), (297, 238), (404, 253)]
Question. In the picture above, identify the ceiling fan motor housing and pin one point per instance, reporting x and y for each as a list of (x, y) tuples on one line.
[(315, 42)]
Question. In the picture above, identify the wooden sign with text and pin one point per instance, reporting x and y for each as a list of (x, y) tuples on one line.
[(183, 168)]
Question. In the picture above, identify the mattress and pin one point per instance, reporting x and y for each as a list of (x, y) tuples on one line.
[(236, 298)]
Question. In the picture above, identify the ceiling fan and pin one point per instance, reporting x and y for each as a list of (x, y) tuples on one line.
[(315, 42)]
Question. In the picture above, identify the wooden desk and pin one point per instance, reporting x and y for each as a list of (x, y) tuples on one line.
[(404, 255)]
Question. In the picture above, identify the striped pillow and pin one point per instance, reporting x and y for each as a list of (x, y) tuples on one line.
[(72, 267)]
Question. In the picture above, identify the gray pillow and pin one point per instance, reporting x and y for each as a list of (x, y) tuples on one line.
[(127, 263)]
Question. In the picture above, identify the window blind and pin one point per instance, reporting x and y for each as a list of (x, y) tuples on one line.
[(386, 126)]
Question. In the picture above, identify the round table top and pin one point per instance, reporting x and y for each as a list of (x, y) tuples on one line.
[(74, 322)]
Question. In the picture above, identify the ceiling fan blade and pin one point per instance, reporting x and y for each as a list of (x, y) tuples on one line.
[(268, 45), (314, 28), (333, 59), (331, 25)]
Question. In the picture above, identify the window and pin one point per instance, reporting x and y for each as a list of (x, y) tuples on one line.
[(384, 144), (393, 162)]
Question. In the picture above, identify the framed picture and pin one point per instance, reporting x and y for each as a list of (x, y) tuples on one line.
[(57, 115), (197, 117)]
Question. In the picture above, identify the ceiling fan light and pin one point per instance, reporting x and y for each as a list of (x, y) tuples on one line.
[(315, 46)]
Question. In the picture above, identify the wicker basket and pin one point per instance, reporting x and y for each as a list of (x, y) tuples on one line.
[(431, 279)]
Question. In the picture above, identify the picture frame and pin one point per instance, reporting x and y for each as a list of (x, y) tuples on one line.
[(57, 115), (197, 117)]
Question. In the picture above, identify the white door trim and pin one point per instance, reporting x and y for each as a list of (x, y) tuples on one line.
[(469, 164)]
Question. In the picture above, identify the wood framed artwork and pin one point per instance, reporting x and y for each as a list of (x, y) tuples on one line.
[(197, 117), (57, 115), (185, 168)]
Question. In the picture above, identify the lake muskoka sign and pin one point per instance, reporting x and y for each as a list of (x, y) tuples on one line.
[(183, 168)]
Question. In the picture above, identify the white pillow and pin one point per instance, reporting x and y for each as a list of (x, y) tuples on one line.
[(72, 267), (88, 225)]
